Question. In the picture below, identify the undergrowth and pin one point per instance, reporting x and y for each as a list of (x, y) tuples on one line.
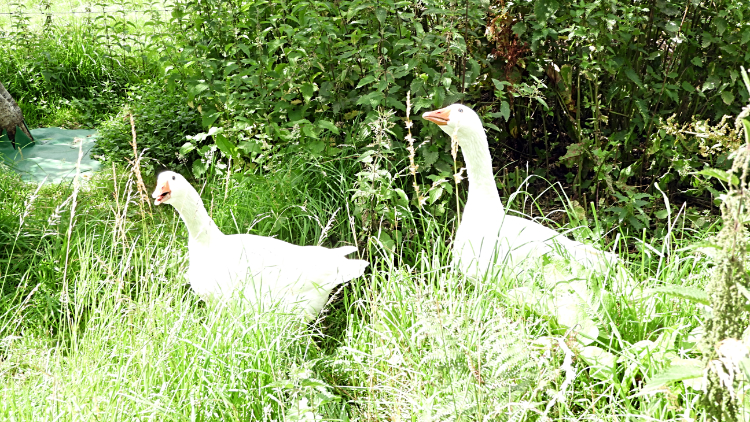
[(409, 340)]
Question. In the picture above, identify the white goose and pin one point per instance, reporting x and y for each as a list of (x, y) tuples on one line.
[(260, 270), (488, 239)]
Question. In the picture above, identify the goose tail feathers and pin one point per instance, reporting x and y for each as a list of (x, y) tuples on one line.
[(346, 250), (352, 269)]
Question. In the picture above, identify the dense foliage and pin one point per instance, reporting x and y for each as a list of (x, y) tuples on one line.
[(605, 97), (595, 95), (620, 77)]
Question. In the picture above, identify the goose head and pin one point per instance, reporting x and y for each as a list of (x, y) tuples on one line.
[(458, 120), (171, 187)]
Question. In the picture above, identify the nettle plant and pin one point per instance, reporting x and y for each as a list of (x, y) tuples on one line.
[(593, 84), (380, 203), (301, 75)]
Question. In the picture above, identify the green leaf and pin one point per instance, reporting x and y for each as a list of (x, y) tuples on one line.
[(519, 28), (353, 11), (225, 145), (544, 9), (274, 45), (401, 198), (316, 147), (500, 85), (307, 90), (373, 99), (186, 148), (727, 97), (198, 88), (642, 109), (395, 103), (684, 292), (309, 130), (687, 87), (297, 114), (430, 157), (492, 126), (366, 80), (630, 73), (178, 13), (722, 175), (199, 168), (721, 25), (386, 241), (434, 195), (636, 223), (325, 124), (381, 14), (711, 83), (692, 368), (249, 147), (210, 118), (574, 151), (312, 382), (505, 110), (601, 363)]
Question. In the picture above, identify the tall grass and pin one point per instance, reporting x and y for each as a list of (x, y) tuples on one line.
[(76, 73), (147, 349), (411, 340)]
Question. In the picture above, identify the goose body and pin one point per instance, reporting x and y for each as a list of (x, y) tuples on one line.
[(11, 116), (488, 239), (260, 270)]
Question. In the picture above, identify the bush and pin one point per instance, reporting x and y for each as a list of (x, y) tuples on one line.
[(614, 79), (298, 75), (162, 118), (589, 94)]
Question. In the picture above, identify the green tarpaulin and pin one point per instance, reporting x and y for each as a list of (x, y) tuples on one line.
[(52, 156)]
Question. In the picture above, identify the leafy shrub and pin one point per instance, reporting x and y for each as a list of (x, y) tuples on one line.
[(580, 90), (583, 93), (162, 118), (299, 74), (611, 74)]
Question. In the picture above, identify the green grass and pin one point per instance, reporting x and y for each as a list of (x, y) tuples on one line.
[(119, 336), (75, 72), (69, 12)]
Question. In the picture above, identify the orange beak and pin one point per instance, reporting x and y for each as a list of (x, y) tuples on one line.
[(440, 117), (161, 193)]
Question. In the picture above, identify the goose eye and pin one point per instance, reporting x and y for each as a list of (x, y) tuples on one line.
[(460, 110), (174, 178)]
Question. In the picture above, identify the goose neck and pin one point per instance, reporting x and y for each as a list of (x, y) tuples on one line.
[(201, 227), (479, 169)]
